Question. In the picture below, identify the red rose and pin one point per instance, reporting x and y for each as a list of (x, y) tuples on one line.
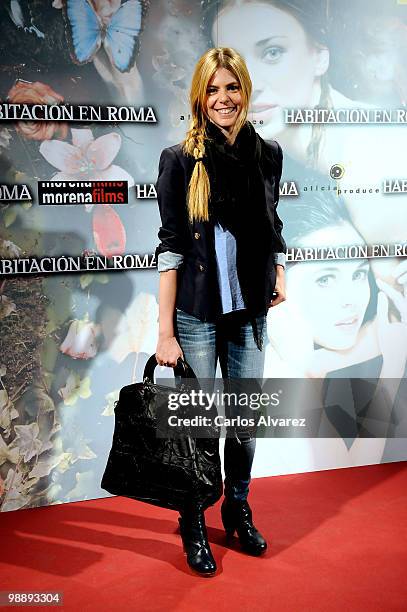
[(37, 93)]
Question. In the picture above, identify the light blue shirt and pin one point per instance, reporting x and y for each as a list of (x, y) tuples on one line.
[(230, 291)]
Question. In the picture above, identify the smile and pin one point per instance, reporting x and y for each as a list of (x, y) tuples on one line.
[(225, 111)]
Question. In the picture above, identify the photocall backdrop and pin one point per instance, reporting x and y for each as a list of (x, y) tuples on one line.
[(329, 84)]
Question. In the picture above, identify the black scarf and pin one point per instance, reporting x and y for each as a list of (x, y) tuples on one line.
[(238, 203), (235, 176)]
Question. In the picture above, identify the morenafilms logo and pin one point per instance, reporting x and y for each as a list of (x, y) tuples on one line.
[(82, 192)]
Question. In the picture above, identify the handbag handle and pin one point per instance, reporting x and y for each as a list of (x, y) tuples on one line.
[(182, 369)]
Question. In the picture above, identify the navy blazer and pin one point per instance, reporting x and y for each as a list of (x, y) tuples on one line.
[(197, 282)]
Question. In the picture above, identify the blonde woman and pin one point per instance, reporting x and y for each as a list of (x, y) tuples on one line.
[(221, 260)]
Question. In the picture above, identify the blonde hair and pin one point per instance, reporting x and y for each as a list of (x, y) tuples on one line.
[(220, 57)]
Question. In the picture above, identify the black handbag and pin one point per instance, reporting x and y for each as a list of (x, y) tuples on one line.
[(163, 471)]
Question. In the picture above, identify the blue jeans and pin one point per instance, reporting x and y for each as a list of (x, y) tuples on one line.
[(231, 341)]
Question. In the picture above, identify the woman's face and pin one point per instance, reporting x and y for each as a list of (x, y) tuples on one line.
[(223, 99), (282, 66), (333, 294)]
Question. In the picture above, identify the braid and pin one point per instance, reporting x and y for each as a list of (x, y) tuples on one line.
[(199, 186), (318, 129)]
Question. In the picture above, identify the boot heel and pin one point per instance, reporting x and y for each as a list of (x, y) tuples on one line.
[(228, 527), (237, 516)]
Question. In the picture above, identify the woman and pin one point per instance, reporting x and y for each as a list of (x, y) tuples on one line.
[(220, 259), (338, 323), (286, 46), (335, 317)]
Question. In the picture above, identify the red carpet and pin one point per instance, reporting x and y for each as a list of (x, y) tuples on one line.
[(338, 542)]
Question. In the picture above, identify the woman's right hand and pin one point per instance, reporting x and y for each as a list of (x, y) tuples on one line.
[(168, 351)]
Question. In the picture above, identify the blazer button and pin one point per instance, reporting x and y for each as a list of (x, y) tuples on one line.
[(201, 267), (197, 235)]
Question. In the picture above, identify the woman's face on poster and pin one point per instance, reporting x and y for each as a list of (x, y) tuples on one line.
[(332, 294), (282, 64)]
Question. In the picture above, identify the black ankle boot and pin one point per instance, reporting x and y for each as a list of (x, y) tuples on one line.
[(237, 516), (195, 541)]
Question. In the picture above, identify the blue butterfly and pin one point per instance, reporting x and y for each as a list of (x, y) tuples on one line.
[(119, 36)]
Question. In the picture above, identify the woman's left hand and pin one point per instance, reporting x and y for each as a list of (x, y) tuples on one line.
[(280, 286)]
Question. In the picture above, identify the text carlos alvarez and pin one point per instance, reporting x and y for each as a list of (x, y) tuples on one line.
[(238, 421)]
